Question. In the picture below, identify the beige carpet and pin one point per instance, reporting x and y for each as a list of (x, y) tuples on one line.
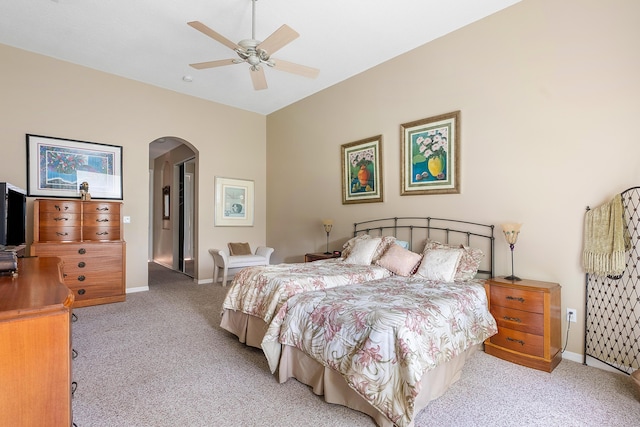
[(161, 359)]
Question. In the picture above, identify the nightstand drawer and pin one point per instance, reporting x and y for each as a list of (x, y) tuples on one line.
[(518, 299), (519, 320), (519, 341)]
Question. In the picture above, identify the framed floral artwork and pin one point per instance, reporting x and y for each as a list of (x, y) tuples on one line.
[(59, 167), (362, 171), (430, 155)]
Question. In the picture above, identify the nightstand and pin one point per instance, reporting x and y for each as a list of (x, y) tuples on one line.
[(318, 256), (528, 316)]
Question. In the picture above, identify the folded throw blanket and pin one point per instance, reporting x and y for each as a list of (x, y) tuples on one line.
[(605, 239)]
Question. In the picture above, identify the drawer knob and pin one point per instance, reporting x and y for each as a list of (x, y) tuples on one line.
[(58, 207), (61, 234), (515, 340), (102, 220), (512, 319), (81, 291), (60, 218), (81, 279), (81, 264), (82, 251), (519, 299), (102, 233), (102, 209)]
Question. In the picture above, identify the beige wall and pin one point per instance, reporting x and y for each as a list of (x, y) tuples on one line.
[(549, 98), (45, 96)]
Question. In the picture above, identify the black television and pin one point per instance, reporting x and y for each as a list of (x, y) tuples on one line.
[(13, 215)]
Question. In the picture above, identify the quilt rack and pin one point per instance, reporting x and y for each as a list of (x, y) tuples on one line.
[(612, 310), (417, 230)]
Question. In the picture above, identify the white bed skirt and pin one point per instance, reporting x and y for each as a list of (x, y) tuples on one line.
[(325, 381), (249, 329)]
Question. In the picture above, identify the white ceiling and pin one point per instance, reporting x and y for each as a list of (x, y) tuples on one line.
[(150, 41)]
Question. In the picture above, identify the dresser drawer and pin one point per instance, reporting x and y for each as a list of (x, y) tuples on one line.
[(84, 291), (59, 234), (519, 320), (517, 298), (78, 264), (59, 219), (60, 206), (87, 250), (521, 342), (105, 232), (102, 208)]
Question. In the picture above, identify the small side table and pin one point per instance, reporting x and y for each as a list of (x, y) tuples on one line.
[(318, 256)]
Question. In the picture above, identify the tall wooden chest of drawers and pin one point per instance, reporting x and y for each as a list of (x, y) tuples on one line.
[(529, 322), (88, 237)]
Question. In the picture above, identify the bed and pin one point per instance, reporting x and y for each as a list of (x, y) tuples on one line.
[(389, 346), (257, 293)]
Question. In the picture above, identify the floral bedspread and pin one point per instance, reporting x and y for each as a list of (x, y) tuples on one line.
[(383, 336), (261, 291)]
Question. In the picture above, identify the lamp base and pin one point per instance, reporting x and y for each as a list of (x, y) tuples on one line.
[(513, 278)]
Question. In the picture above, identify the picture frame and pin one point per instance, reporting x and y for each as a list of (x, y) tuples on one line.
[(166, 202), (430, 155), (234, 202), (56, 167), (361, 164)]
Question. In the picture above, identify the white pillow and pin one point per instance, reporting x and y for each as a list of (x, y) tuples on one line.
[(439, 264), (363, 251)]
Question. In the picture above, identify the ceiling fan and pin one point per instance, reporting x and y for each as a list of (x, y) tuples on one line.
[(256, 53)]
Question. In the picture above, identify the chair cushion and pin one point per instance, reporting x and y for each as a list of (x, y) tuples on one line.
[(246, 261)]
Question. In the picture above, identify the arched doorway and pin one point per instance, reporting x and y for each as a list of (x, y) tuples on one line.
[(173, 220)]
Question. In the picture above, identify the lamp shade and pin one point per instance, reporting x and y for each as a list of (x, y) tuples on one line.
[(511, 231), (327, 222)]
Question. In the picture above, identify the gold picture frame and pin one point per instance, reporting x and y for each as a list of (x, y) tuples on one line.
[(362, 171), (430, 155)]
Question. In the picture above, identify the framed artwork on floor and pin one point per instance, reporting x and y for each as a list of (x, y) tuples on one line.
[(362, 171), (430, 155)]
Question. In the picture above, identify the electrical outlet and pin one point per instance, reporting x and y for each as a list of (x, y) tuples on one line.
[(571, 315)]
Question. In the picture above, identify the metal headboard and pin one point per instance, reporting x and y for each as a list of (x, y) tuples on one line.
[(417, 230)]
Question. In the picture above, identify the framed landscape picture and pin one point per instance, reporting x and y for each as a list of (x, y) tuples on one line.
[(57, 167), (362, 171), (430, 155)]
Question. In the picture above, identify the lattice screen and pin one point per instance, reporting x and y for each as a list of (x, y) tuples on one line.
[(612, 325)]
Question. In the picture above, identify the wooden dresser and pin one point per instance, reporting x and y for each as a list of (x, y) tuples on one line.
[(35, 345), (88, 236), (529, 322)]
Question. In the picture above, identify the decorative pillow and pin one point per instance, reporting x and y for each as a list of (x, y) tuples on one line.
[(469, 261), (439, 264), (403, 244), (349, 244), (363, 251), (399, 260), (239, 249), (387, 242)]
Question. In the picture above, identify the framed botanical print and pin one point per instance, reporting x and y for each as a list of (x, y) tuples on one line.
[(430, 155), (362, 171)]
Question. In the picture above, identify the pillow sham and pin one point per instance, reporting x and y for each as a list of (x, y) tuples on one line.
[(469, 261), (239, 249), (399, 260), (386, 243), (439, 264), (349, 244), (363, 251)]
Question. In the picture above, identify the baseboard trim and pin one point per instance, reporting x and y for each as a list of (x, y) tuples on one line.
[(594, 363), (137, 289)]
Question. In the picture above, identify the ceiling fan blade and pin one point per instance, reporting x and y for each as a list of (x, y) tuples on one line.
[(290, 67), (209, 32), (278, 39), (258, 78), (211, 64)]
